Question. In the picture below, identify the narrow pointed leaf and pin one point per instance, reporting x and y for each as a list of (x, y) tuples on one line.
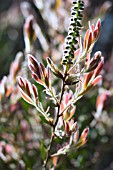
[(96, 80), (39, 81), (43, 151), (27, 98), (54, 69)]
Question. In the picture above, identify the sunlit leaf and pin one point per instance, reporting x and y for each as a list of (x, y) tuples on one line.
[(43, 151)]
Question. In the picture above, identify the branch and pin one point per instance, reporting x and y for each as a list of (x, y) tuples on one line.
[(55, 124)]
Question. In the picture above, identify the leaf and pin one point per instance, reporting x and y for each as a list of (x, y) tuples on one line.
[(99, 67), (43, 70), (89, 41), (76, 53), (54, 69), (71, 79), (96, 80), (68, 114), (84, 133), (35, 91), (55, 160), (26, 98), (86, 38), (9, 91), (43, 151), (39, 81), (43, 119), (87, 78), (75, 136), (94, 62), (34, 66)]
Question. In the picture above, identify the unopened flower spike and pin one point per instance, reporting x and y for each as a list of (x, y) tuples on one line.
[(73, 32)]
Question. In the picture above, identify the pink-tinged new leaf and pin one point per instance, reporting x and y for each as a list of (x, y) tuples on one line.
[(84, 134), (43, 70), (89, 41), (69, 114), (72, 112), (9, 91), (96, 80), (73, 127), (99, 67), (54, 69), (71, 122), (28, 88), (38, 71), (39, 81), (47, 81), (15, 66), (85, 140), (87, 59), (101, 99), (92, 28), (25, 89), (34, 66), (87, 79), (67, 97), (76, 53), (76, 136), (97, 29), (66, 127), (86, 38), (62, 106), (21, 82), (96, 33), (28, 28), (94, 62), (55, 160), (32, 60), (35, 91), (91, 35), (98, 25), (32, 69), (26, 98)]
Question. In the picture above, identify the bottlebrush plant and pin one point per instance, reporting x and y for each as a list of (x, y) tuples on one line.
[(79, 71)]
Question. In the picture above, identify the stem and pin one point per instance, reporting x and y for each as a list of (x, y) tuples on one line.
[(49, 149), (40, 111), (50, 90), (57, 115), (55, 124)]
